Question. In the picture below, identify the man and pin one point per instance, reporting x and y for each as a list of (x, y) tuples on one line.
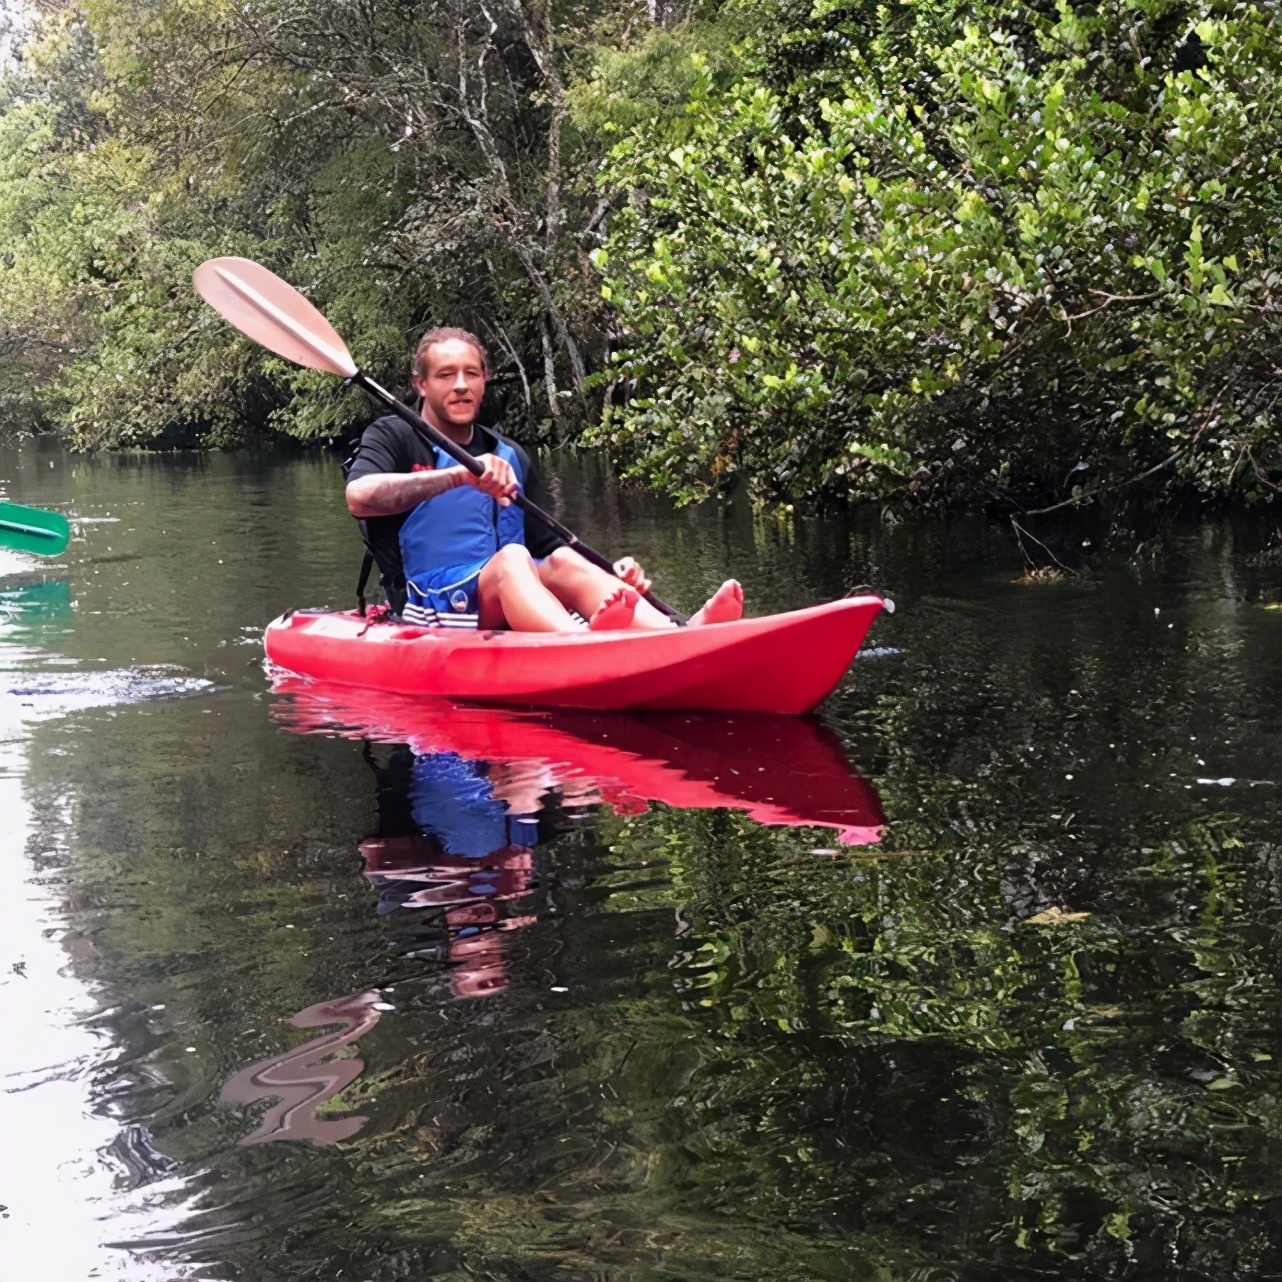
[(469, 557)]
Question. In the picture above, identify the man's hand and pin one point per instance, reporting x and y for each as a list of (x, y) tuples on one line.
[(498, 480), (632, 574)]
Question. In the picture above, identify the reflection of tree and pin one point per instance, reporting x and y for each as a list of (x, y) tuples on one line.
[(887, 1038), (307, 1077), (914, 1062), (626, 1130)]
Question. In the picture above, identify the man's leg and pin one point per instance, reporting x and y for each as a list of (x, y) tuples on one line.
[(581, 586), (511, 595)]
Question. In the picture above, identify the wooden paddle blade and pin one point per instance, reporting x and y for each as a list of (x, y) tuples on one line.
[(30, 529), (272, 313)]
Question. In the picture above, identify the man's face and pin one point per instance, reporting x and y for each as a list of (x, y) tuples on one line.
[(454, 383)]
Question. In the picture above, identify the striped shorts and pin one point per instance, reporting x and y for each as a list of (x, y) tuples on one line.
[(446, 598)]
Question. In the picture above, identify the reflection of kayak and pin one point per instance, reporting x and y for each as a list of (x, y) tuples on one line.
[(779, 663), (779, 770)]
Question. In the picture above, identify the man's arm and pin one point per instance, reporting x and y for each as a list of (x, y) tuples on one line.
[(389, 493)]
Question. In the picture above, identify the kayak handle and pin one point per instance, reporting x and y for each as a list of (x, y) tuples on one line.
[(464, 459)]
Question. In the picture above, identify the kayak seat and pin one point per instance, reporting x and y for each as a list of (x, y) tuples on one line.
[(382, 539), (385, 554)]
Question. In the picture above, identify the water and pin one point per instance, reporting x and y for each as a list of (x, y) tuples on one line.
[(976, 978)]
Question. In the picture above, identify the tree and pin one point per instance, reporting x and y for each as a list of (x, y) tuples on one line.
[(958, 250), (403, 167)]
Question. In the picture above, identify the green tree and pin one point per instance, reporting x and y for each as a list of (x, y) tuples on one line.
[(402, 169), (957, 249)]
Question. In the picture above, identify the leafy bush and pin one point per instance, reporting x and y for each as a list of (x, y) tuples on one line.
[(1024, 252), (402, 170), (958, 249)]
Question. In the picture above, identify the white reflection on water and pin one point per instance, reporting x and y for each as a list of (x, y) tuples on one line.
[(36, 695), (65, 1166)]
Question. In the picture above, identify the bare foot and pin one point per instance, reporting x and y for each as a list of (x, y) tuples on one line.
[(725, 605), (615, 612)]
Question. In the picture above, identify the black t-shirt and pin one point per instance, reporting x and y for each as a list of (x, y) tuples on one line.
[(390, 444)]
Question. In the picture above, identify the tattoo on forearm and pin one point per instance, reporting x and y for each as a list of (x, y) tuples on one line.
[(438, 482), (390, 495)]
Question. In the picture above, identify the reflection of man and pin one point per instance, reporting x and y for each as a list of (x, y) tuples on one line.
[(414, 873), (458, 836), (468, 557)]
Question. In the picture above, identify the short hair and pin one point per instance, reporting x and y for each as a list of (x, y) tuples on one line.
[(445, 334)]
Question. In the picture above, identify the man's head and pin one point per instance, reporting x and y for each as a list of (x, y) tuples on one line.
[(450, 369)]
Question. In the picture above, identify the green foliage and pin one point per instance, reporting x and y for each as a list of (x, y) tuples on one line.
[(646, 85), (402, 173), (959, 248), (101, 239), (936, 250)]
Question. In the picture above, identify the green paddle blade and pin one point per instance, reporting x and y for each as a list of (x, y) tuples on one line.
[(29, 529)]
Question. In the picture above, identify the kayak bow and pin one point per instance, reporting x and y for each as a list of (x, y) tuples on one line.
[(786, 663)]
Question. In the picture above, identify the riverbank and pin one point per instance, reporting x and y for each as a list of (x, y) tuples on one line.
[(948, 251)]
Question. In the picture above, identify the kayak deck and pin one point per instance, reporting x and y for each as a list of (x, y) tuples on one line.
[(786, 663)]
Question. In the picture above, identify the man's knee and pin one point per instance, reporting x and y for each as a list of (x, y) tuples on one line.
[(512, 558), (566, 560)]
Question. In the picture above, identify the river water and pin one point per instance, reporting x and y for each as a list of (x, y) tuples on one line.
[(975, 977)]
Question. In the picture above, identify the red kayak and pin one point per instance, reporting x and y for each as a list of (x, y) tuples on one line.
[(779, 770), (786, 663)]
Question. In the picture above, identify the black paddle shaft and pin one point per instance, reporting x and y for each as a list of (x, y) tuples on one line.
[(462, 457)]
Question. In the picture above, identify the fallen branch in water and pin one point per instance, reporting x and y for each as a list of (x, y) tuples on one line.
[(1021, 534)]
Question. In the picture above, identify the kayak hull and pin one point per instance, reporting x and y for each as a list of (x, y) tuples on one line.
[(785, 663)]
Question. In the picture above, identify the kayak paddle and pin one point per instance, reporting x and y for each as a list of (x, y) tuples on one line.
[(273, 313), (30, 529)]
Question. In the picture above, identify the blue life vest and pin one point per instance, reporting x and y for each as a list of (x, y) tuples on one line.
[(460, 529), (454, 801)]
